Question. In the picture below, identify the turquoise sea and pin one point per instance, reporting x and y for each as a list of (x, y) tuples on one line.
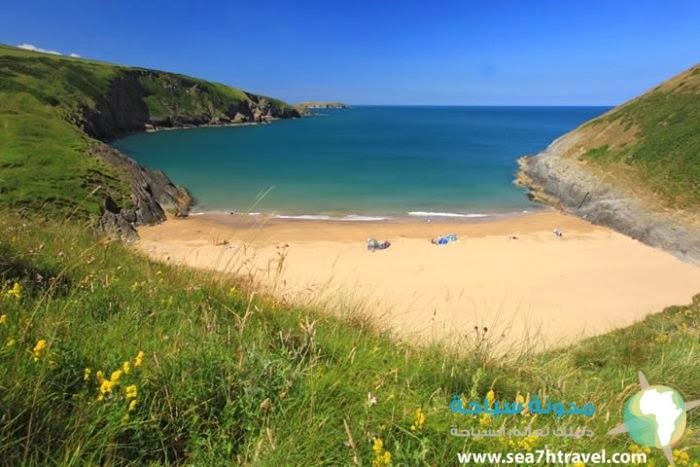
[(361, 163)]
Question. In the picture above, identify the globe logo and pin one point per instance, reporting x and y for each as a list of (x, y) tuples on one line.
[(655, 417)]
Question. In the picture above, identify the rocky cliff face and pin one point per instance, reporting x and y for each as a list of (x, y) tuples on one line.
[(175, 102), (140, 100), (555, 178), (153, 195)]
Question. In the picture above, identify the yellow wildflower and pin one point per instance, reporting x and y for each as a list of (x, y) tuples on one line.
[(125, 418), (579, 464), (132, 405), (382, 457), (139, 358), (519, 399), (527, 443), (39, 349), (420, 420), (3, 318), (485, 420), (378, 446), (10, 343), (131, 392), (106, 386), (86, 374), (232, 291), (490, 396), (635, 448), (681, 457), (15, 291), (126, 367), (99, 376), (116, 375)]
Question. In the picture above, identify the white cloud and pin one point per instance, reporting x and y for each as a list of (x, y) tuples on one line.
[(37, 49)]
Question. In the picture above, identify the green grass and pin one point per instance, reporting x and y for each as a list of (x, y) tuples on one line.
[(43, 160), (665, 154), (230, 377), (597, 153)]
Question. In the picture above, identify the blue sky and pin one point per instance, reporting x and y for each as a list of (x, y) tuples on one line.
[(497, 52)]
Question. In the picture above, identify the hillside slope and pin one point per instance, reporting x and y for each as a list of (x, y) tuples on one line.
[(56, 112), (223, 376), (636, 168)]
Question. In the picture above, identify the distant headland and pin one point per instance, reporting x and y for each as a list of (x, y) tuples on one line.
[(323, 105)]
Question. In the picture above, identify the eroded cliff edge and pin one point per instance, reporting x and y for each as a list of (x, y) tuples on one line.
[(556, 178)]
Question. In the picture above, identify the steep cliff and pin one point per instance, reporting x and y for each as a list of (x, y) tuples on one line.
[(58, 113), (635, 169), (138, 100)]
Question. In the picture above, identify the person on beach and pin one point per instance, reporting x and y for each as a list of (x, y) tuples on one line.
[(373, 245), (444, 240)]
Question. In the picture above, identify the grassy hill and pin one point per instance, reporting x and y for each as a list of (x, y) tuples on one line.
[(229, 377), (651, 145), (53, 109)]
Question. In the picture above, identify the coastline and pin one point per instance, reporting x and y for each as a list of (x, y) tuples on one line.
[(406, 217), (156, 129), (556, 178), (538, 290)]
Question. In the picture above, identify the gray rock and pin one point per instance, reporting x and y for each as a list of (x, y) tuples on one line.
[(564, 183), (152, 192), (114, 223)]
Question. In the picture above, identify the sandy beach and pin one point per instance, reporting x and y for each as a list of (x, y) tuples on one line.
[(535, 290)]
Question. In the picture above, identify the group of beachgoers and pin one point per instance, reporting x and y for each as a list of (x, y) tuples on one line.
[(374, 245)]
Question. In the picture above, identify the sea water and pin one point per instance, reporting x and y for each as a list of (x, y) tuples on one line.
[(363, 163)]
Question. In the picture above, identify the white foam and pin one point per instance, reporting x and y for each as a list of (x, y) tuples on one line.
[(445, 214), (307, 217), (358, 218), (321, 217)]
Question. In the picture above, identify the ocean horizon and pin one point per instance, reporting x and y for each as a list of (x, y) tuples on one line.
[(365, 163)]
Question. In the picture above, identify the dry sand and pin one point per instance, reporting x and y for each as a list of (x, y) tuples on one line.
[(538, 289)]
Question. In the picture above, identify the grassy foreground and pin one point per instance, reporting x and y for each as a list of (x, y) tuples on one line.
[(109, 358)]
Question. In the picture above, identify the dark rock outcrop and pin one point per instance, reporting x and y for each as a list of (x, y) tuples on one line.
[(119, 112), (564, 183), (153, 194), (115, 223)]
